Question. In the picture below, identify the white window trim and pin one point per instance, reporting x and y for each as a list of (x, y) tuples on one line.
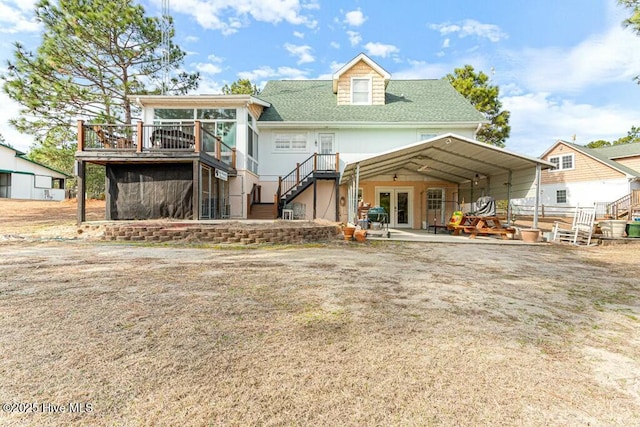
[(566, 200), (429, 134), (369, 88), (559, 157), (276, 149)]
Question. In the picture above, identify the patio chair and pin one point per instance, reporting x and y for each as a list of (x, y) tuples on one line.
[(581, 230)]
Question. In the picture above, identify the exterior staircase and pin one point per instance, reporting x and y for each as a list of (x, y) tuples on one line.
[(262, 211), (627, 207), (316, 167)]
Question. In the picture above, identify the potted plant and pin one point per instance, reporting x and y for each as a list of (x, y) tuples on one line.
[(348, 231)]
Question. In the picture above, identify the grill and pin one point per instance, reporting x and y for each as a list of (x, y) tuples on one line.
[(379, 220)]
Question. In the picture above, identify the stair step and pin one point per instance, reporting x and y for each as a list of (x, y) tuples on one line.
[(261, 211)]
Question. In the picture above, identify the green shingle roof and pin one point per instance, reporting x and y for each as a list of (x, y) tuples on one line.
[(407, 101), (622, 150)]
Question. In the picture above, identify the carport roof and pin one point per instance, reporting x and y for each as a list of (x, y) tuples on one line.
[(448, 157)]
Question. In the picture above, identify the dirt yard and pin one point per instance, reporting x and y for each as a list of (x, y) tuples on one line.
[(382, 333)]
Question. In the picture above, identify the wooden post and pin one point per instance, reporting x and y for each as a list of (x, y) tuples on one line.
[(315, 162), (337, 193), (80, 135), (218, 148), (315, 197), (107, 197), (297, 174), (196, 190), (197, 134), (275, 206), (233, 157), (139, 136), (337, 162), (81, 190)]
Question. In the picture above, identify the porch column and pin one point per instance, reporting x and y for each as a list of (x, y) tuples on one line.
[(196, 190), (537, 200), (80, 174)]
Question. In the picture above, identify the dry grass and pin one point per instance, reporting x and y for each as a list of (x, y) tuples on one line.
[(377, 334)]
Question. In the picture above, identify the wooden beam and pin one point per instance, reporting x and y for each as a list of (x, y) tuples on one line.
[(139, 136), (337, 162), (197, 134), (80, 135), (233, 157)]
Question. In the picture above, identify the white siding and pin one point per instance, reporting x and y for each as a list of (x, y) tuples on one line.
[(352, 144)]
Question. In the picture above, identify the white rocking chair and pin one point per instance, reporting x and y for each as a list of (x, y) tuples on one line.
[(581, 229)]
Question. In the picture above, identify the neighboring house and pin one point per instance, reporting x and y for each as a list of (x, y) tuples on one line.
[(584, 176), (314, 148), (21, 178)]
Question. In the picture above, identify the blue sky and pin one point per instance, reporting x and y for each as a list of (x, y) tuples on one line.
[(564, 68)]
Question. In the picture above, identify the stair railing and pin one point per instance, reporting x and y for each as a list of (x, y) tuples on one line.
[(619, 207), (314, 163)]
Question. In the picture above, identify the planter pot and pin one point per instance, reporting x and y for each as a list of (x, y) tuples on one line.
[(360, 235), (348, 232), (613, 228), (530, 235)]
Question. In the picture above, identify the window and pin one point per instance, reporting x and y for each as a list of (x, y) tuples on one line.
[(561, 196), (361, 91), (563, 162), (291, 142), (424, 136), (219, 122), (252, 146)]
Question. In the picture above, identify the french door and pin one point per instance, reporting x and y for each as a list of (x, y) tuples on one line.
[(398, 202)]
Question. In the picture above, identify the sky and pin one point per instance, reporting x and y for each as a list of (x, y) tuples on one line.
[(565, 68)]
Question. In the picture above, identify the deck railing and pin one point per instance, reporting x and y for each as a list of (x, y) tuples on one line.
[(145, 138), (623, 205)]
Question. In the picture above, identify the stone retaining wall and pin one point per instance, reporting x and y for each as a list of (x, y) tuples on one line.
[(219, 234)]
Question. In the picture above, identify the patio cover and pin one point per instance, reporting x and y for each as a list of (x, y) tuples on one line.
[(454, 158)]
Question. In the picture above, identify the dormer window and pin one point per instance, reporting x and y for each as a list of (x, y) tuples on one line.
[(361, 91)]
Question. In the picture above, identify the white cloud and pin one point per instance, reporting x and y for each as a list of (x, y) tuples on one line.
[(539, 119), (207, 68), (298, 34), (335, 45), (302, 52), (446, 43), (228, 16), (268, 73), (613, 56), (354, 37), (354, 18), (380, 49), (17, 17), (9, 110), (214, 58), (191, 39), (471, 27)]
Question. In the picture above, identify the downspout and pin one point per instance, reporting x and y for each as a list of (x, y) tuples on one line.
[(537, 200)]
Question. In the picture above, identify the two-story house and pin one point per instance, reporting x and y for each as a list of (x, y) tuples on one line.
[(586, 176), (317, 147)]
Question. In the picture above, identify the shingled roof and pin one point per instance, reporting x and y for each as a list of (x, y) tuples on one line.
[(406, 101)]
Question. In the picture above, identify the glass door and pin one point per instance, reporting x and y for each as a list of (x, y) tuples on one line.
[(326, 145), (397, 202)]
